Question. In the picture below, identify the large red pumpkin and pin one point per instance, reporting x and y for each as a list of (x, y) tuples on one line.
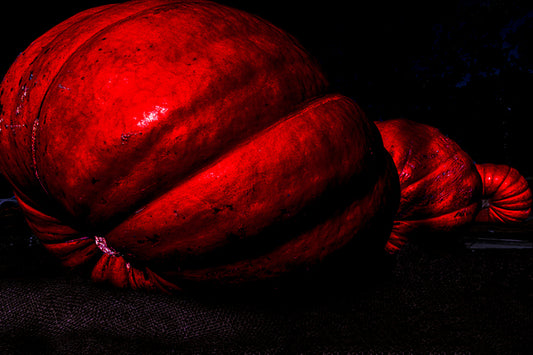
[(440, 186), (165, 141), (506, 197)]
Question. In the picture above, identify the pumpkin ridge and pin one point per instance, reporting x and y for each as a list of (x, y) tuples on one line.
[(280, 259), (298, 108), (496, 189), (314, 84), (331, 203), (141, 205), (401, 125), (302, 107), (431, 216), (171, 200), (25, 64), (65, 61), (419, 183), (503, 200), (500, 214), (448, 154), (513, 180), (510, 208), (220, 155)]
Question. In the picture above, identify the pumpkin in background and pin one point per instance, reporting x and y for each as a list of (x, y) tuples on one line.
[(440, 186), (506, 195), (161, 142)]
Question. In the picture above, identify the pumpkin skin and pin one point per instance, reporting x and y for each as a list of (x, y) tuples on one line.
[(440, 186), (161, 142), (506, 196)]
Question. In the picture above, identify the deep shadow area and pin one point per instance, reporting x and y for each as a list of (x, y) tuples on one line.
[(435, 295)]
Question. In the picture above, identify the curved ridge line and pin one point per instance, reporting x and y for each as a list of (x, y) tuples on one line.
[(449, 154), (523, 192), (302, 107), (443, 214), (435, 173), (296, 108), (220, 251), (497, 189), (60, 69), (294, 111), (36, 120)]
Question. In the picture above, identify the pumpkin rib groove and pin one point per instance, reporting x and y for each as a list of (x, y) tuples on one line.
[(424, 178), (270, 238), (74, 51), (472, 205), (330, 204), (298, 114), (278, 235), (449, 154), (35, 128), (512, 181), (504, 208), (419, 184), (514, 199), (272, 263), (124, 174), (501, 216), (496, 189), (228, 149), (305, 107), (28, 62), (212, 161)]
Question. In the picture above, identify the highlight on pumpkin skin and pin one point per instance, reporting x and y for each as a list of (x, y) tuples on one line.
[(506, 198)]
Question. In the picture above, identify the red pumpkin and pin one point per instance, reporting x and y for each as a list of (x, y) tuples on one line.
[(440, 186), (165, 141), (506, 195)]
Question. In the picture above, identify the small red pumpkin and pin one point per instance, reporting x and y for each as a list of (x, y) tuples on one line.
[(164, 141), (506, 195), (440, 186)]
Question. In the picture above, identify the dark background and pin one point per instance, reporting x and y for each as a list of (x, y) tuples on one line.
[(463, 66)]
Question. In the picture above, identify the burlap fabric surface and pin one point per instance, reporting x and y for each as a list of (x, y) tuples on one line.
[(432, 297)]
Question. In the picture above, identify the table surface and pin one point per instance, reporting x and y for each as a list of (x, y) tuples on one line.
[(466, 292)]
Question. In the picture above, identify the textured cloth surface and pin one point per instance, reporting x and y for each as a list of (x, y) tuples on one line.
[(431, 297)]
